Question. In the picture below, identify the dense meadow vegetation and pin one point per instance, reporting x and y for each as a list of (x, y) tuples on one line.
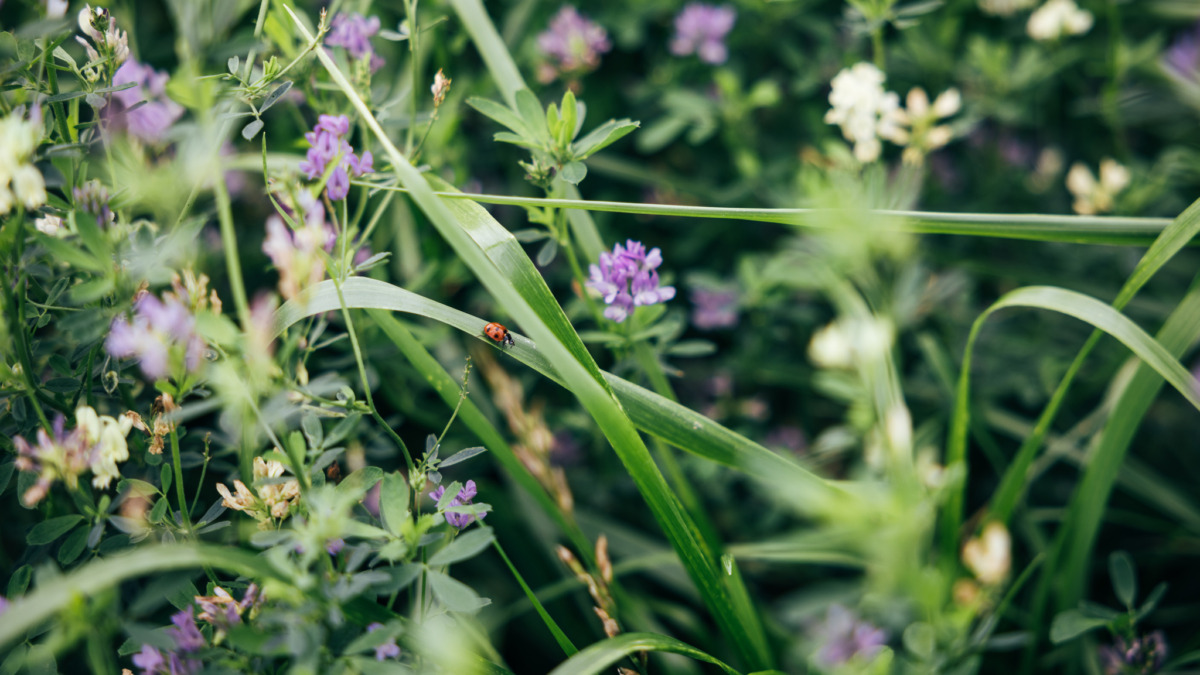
[(802, 336)]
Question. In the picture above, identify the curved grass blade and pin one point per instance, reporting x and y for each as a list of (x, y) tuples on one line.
[(39, 606), (600, 656), (1034, 227), (1085, 308), (502, 267), (652, 413)]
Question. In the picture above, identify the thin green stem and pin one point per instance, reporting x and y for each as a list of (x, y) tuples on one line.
[(877, 47), (559, 636), (179, 491)]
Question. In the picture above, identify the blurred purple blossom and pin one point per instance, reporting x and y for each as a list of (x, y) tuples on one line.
[(627, 278), (573, 41), (700, 29), (787, 437), (1141, 656), (57, 455), (185, 632), (157, 327), (335, 546), (463, 498), (329, 145), (3, 604), (148, 122), (92, 198), (150, 660), (1182, 58), (353, 32), (714, 308), (387, 650), (842, 636)]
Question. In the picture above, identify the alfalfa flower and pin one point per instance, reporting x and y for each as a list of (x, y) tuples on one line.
[(161, 336), (92, 198), (20, 180), (1057, 19), (97, 443), (918, 125), (149, 121), (628, 278), (700, 29), (1182, 58), (353, 33), (989, 556), (463, 498), (842, 636), (1134, 656), (109, 46), (295, 251), (573, 42), (387, 650), (329, 147), (276, 498), (1092, 196), (714, 307), (862, 109)]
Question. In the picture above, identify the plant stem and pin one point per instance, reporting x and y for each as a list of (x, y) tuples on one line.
[(179, 491)]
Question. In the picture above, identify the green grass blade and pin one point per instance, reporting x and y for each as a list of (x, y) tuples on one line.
[(1034, 227), (39, 606), (1085, 308), (560, 637), (599, 657), (650, 412), (1087, 505), (502, 267)]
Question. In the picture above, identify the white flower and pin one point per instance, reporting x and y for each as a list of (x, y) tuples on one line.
[(107, 435), (50, 225), (989, 556), (916, 126), (1092, 196), (862, 109), (842, 344), (29, 186), (56, 9), (1058, 18), (830, 348), (18, 139)]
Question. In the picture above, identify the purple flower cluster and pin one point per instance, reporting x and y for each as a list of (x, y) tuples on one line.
[(463, 498), (714, 308), (1182, 58), (56, 455), (328, 145), (573, 41), (188, 639), (1140, 656), (627, 278), (387, 650), (843, 636), (157, 328), (353, 32), (148, 122), (700, 29), (92, 198)]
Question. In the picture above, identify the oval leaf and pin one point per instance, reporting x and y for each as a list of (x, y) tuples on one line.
[(464, 546), (49, 530)]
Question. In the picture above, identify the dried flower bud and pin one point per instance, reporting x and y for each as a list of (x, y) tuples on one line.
[(441, 86), (611, 628), (602, 560)]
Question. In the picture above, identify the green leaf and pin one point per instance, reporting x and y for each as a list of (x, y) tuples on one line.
[(1124, 579), (314, 433), (454, 594), (1072, 623), (393, 502), (72, 546), (464, 546), (461, 456), (501, 114), (599, 657), (360, 481), (603, 136), (18, 583), (530, 109), (49, 530), (276, 93), (573, 172), (251, 130), (570, 119)]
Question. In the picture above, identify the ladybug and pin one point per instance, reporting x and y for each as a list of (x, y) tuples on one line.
[(498, 333)]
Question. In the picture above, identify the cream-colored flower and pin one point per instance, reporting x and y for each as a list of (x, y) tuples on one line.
[(862, 109), (1058, 18), (1092, 196), (51, 225), (989, 556), (107, 435), (18, 139), (916, 126), (274, 500)]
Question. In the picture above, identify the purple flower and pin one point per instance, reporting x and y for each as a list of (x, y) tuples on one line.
[(150, 660), (3, 604), (701, 29), (335, 546), (157, 329), (787, 437), (1182, 58), (573, 41), (328, 145), (56, 456), (714, 308), (185, 632), (843, 636), (387, 650), (92, 198), (626, 278), (1140, 656), (149, 122), (353, 32), (463, 498)]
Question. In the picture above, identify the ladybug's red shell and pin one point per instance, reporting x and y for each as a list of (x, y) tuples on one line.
[(498, 333)]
